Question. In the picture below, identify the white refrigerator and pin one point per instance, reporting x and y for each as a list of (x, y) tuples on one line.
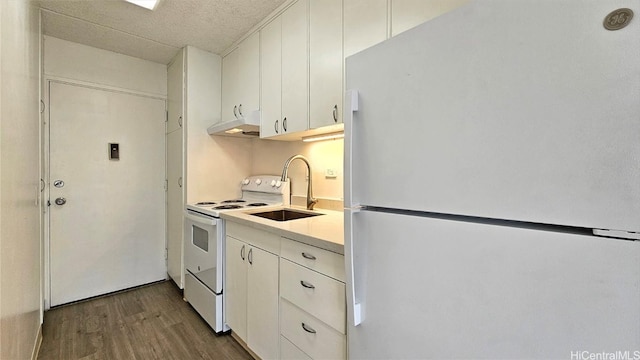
[(492, 185)]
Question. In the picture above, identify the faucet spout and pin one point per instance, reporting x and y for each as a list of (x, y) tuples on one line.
[(311, 201)]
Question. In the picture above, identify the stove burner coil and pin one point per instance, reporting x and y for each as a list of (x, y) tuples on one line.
[(206, 203), (258, 204), (233, 201), (227, 207)]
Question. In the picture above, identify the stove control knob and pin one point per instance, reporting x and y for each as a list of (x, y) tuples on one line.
[(245, 182), (273, 183), (258, 181), (278, 183)]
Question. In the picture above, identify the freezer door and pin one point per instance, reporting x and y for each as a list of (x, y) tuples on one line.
[(439, 289), (524, 110)]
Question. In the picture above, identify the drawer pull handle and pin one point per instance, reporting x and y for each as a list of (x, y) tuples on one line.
[(308, 328), (242, 252), (307, 285), (308, 256)]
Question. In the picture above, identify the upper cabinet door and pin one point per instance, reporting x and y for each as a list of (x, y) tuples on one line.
[(325, 63), (295, 84), (248, 80), (175, 87), (271, 78), (406, 14), (365, 24), (241, 79), (230, 86)]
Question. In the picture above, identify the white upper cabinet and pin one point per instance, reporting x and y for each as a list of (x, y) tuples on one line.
[(271, 78), (406, 14), (295, 69), (325, 63), (300, 57), (175, 89), (241, 80), (365, 24), (230, 86), (284, 63)]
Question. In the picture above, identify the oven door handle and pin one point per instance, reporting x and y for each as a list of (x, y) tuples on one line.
[(201, 219)]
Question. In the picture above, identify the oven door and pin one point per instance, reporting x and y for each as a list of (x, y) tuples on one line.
[(203, 249)]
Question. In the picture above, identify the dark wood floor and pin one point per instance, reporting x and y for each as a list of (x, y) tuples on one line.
[(151, 322)]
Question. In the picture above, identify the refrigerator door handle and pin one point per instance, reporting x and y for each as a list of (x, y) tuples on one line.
[(354, 297), (350, 107)]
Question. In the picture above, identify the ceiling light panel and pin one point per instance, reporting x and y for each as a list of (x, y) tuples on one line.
[(147, 4)]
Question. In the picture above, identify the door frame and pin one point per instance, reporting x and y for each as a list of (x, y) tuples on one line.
[(46, 153)]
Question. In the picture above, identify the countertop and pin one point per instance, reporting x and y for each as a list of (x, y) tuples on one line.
[(325, 231)]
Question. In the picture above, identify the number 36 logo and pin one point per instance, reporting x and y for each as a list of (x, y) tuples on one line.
[(618, 19)]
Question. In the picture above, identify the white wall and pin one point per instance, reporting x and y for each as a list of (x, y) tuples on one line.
[(269, 157), (68, 60), (20, 259)]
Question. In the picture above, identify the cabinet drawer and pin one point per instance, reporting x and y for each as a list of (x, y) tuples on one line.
[(319, 295), (326, 262), (315, 339), (258, 238), (288, 351)]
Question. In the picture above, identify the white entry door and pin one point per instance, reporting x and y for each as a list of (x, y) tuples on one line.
[(107, 216)]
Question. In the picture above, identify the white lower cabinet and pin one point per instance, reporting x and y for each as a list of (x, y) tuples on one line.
[(251, 298), (315, 293), (312, 336), (235, 298), (283, 298), (312, 301), (262, 303)]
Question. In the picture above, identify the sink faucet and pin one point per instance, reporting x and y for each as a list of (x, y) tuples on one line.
[(310, 200)]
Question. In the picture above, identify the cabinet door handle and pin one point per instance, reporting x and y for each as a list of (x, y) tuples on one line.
[(307, 284), (180, 181), (335, 113), (308, 328), (180, 121), (242, 253), (284, 124), (308, 256), (235, 111), (250, 256), (240, 110), (275, 126)]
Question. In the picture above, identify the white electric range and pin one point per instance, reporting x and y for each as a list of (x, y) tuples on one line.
[(204, 243)]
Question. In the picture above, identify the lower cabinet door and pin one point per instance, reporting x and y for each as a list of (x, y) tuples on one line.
[(235, 298), (262, 303), (288, 351)]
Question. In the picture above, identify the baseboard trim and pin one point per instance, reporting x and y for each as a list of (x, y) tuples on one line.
[(244, 345), (37, 345)]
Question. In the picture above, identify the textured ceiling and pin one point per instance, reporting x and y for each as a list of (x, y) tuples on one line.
[(119, 26)]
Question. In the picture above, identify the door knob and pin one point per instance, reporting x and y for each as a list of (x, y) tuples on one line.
[(61, 201)]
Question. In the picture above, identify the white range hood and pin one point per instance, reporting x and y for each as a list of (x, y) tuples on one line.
[(240, 127)]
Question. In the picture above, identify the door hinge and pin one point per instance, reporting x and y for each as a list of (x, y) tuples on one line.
[(166, 184), (619, 234), (166, 253), (48, 203), (166, 119)]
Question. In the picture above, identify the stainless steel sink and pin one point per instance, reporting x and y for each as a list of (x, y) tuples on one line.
[(285, 215)]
